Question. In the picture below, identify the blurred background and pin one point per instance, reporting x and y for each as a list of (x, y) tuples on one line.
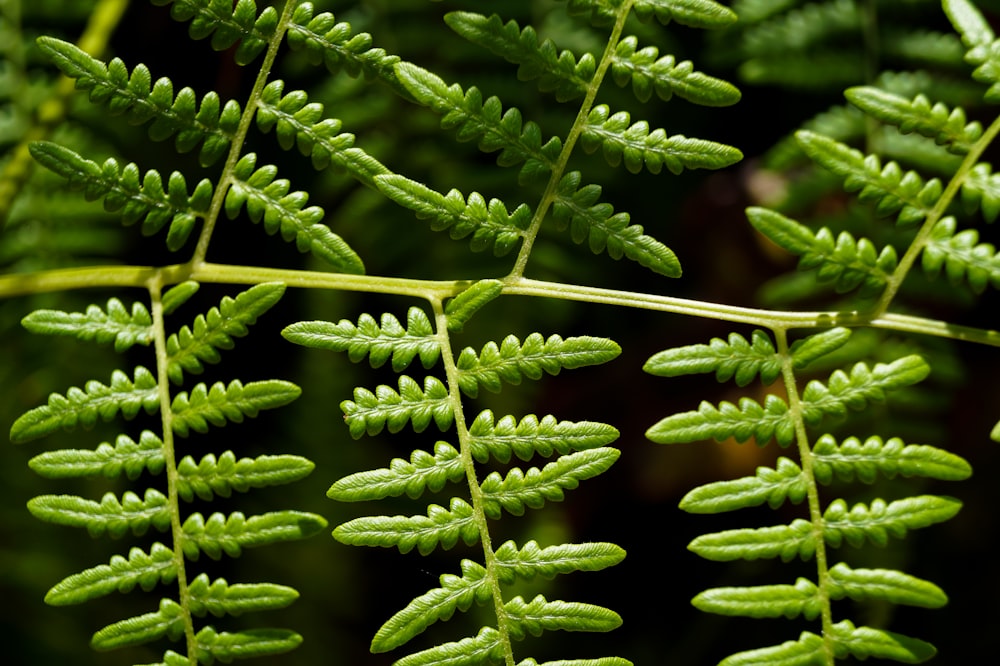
[(347, 593)]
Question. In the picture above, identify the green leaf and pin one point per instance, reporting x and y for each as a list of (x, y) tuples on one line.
[(115, 324), (484, 648), (853, 458), (531, 436), (530, 560), (774, 486), (639, 147), (440, 527), (648, 73), (512, 361), (219, 598), (979, 39), (880, 520), (817, 345), (463, 307), (83, 408), (457, 593), (125, 456), (110, 515), (269, 200), (223, 403), (534, 487), (981, 191), (379, 341), (423, 472), (136, 196), (763, 601), (741, 422), (961, 256), (119, 575), (230, 535), (371, 412), (188, 350), (211, 124), (168, 622), (784, 541), (178, 295), (540, 615), (864, 642), (300, 123), (218, 477), (490, 225), (732, 358), (693, 13), (227, 24), (596, 223), (843, 391), (883, 585), (226, 647), (809, 650)]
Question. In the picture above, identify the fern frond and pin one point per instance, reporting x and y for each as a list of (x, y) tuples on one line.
[(979, 39), (808, 650), (146, 570), (693, 13), (371, 412), (178, 295), (883, 585), (962, 258), (471, 300), (866, 460), (423, 472), (734, 358), (881, 520), (137, 197), (864, 384), (557, 72), (597, 224), (457, 593), (269, 200), (82, 408), (223, 403), (220, 598), (484, 648), (210, 124), (113, 324), (227, 24), (534, 487), (540, 615), (774, 486), (638, 147), (530, 560), (167, 622), (189, 349), (490, 224), (981, 190), (741, 422), (231, 534), (947, 127), (300, 123), (125, 456), (513, 360), (220, 476), (440, 527), (531, 436), (648, 73), (379, 341), (337, 46), (484, 122), (785, 541), (845, 262), (891, 190), (226, 646), (761, 601), (111, 515), (865, 642)]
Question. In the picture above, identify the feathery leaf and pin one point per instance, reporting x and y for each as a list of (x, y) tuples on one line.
[(531, 436), (961, 256), (649, 73), (227, 24), (853, 458), (540, 615), (863, 385), (371, 412), (226, 647), (463, 307), (220, 598), (220, 476), (223, 403), (168, 622), (732, 358), (884, 585), (146, 570), (231, 534), (743, 421), (774, 486), (881, 520), (440, 527), (111, 515), (114, 324), (125, 456), (423, 472), (800, 599)]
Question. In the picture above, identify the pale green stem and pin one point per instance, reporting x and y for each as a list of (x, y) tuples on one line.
[(812, 492), (137, 276), (94, 40), (475, 491), (239, 137), (574, 134), (923, 236), (170, 463)]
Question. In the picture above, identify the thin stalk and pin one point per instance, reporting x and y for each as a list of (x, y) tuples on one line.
[(170, 459), (475, 490), (574, 134), (236, 147), (812, 493)]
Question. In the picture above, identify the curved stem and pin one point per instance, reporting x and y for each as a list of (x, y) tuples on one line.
[(236, 147), (170, 463), (475, 491), (574, 134)]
